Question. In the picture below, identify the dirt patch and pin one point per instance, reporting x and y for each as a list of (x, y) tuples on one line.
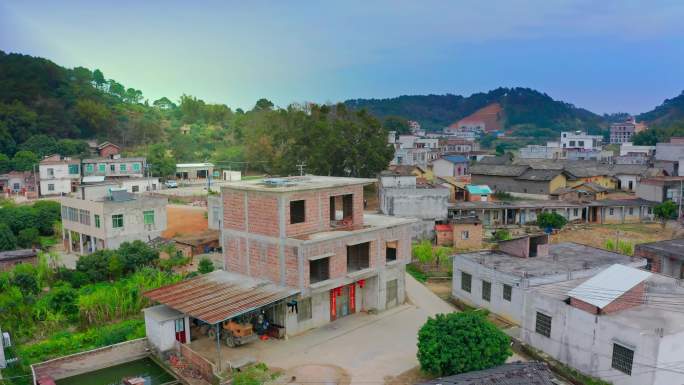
[(441, 287), (185, 220), (596, 235), (316, 375), (412, 376)]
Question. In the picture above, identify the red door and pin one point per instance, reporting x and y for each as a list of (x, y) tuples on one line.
[(180, 330)]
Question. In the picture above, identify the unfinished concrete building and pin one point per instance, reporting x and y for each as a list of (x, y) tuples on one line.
[(310, 233)]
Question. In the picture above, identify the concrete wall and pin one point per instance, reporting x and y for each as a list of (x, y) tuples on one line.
[(214, 211), (442, 167), (132, 167), (396, 181), (92, 360), (625, 180), (422, 203), (585, 341), (510, 310), (61, 186)]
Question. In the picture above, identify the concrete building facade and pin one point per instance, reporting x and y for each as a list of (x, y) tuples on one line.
[(613, 325), (115, 166), (450, 165), (499, 280), (58, 175), (580, 140), (665, 257), (310, 233), (105, 219)]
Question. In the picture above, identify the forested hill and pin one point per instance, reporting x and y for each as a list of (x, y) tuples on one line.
[(46, 108), (522, 106), (664, 121)]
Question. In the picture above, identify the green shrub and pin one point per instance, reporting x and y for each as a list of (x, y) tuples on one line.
[(454, 343), (205, 266), (666, 210), (551, 220), (7, 239), (502, 235), (28, 238), (416, 273), (254, 375), (423, 252)]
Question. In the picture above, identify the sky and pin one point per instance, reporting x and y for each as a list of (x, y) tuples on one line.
[(606, 56)]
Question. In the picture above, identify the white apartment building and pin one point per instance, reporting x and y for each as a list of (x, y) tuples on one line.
[(580, 140), (104, 218), (58, 175)]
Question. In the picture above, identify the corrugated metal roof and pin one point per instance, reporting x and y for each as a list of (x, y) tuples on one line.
[(194, 165), (608, 285), (481, 189), (219, 295), (517, 373)]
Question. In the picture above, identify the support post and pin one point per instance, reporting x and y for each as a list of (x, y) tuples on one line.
[(71, 242), (80, 242), (218, 348)]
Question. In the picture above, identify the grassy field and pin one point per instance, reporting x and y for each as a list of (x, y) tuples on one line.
[(596, 235)]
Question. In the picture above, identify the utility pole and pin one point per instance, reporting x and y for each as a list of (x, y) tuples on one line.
[(301, 168), (681, 192)]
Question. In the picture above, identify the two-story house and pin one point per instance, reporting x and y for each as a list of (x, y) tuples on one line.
[(104, 218), (58, 175), (114, 166)]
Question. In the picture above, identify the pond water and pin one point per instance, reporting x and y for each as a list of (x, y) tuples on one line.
[(114, 375)]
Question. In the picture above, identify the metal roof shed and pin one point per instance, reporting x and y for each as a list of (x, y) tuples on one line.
[(219, 296)]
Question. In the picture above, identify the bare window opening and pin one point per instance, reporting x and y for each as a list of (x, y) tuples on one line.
[(297, 212), (358, 257), (346, 203), (391, 251), (319, 270)]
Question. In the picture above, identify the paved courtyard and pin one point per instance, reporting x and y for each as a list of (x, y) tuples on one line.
[(360, 348)]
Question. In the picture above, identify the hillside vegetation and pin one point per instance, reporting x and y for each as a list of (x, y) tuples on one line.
[(524, 108), (45, 108)]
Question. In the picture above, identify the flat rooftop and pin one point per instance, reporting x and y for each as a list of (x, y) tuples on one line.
[(296, 183), (563, 258), (371, 222), (659, 313), (670, 247)]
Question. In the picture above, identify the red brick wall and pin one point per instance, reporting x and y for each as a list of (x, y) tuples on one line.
[(109, 151), (233, 210), (631, 298), (517, 247), (200, 363), (653, 257), (263, 214), (445, 238)]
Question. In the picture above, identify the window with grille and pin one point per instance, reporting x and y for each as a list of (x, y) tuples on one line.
[(117, 221), (73, 169), (97, 221), (465, 234), (84, 217), (543, 324), (304, 309), (486, 291), (319, 270), (135, 188), (122, 167), (392, 289), (507, 292), (622, 359), (297, 212), (466, 281), (101, 167)]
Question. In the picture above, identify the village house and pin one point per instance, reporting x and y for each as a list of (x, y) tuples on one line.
[(461, 233), (617, 325), (661, 189), (19, 182), (670, 156), (100, 217), (114, 166), (450, 165), (498, 280), (194, 171), (108, 150), (458, 146), (10, 258), (666, 257), (622, 132), (519, 180), (59, 175), (310, 233)]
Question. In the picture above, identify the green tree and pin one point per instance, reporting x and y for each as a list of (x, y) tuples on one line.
[(41, 145), (454, 343), (24, 160), (398, 124), (665, 211), (63, 299), (502, 235), (5, 164), (7, 144), (7, 239), (160, 162), (99, 79), (25, 280), (263, 105), (28, 237), (551, 220), (423, 252), (205, 266), (164, 103)]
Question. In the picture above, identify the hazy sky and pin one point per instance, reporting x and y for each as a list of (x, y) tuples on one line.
[(603, 55)]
